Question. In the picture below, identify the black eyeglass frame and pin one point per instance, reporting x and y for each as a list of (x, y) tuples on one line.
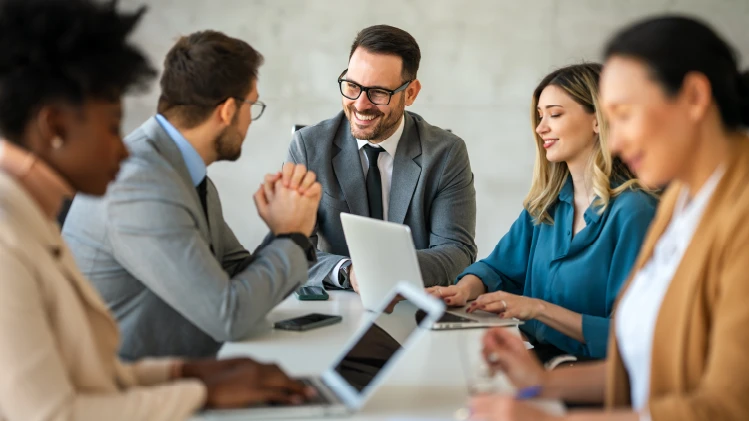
[(260, 103), (366, 89)]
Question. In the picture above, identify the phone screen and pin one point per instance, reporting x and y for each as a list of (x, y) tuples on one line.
[(310, 318)]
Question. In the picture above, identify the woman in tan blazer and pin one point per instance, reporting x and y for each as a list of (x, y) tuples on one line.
[(678, 109), (64, 67)]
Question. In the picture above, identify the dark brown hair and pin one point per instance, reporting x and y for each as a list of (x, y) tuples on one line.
[(673, 46), (203, 70), (385, 39)]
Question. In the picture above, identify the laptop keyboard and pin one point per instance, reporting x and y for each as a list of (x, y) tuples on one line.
[(320, 398)]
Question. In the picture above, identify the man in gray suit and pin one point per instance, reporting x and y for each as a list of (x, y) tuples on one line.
[(375, 159), (157, 247)]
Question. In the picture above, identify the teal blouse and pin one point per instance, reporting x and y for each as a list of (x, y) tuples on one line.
[(581, 273)]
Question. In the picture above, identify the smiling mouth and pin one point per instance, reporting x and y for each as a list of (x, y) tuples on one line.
[(549, 142), (365, 117)]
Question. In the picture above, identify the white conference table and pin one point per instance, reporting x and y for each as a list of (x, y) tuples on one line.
[(427, 383)]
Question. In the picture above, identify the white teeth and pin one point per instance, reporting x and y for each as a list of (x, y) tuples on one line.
[(546, 142), (365, 117)]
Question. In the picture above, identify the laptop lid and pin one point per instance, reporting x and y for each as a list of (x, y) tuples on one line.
[(373, 352), (382, 254)]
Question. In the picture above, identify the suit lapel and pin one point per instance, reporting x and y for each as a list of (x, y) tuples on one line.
[(168, 149), (348, 170), (406, 172)]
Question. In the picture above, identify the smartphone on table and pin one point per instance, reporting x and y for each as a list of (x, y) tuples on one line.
[(311, 294), (308, 322)]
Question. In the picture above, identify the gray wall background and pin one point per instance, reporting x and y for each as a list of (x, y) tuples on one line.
[(481, 60)]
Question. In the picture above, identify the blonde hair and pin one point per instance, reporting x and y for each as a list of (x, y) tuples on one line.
[(580, 82)]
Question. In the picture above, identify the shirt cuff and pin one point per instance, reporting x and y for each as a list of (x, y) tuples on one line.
[(333, 277), (596, 334)]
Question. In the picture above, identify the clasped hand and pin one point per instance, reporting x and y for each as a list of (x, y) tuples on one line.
[(287, 201)]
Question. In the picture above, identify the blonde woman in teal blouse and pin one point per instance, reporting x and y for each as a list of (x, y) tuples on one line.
[(562, 263)]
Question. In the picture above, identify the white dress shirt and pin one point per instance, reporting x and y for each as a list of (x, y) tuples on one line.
[(638, 311), (385, 164)]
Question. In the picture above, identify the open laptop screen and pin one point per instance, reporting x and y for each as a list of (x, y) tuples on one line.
[(371, 353)]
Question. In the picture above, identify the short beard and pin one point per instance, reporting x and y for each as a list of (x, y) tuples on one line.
[(228, 144), (386, 128)]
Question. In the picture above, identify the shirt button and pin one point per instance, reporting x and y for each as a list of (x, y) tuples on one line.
[(568, 232)]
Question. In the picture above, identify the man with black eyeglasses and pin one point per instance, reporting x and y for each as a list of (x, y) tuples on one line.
[(376, 159), (157, 247)]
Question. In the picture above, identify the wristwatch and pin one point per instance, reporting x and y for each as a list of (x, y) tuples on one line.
[(343, 275), (302, 241)]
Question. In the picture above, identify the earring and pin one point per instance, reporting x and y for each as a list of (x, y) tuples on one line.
[(57, 142)]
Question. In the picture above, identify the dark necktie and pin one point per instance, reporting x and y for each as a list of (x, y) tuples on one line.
[(202, 189), (374, 182)]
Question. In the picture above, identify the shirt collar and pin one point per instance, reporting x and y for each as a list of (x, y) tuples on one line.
[(567, 194), (195, 164), (390, 144), (45, 185)]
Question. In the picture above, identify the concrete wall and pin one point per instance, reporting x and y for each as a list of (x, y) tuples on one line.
[(481, 61)]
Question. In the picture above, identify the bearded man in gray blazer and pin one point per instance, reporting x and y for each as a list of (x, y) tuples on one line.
[(422, 177), (157, 247)]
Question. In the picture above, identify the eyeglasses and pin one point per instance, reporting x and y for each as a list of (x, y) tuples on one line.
[(256, 108), (377, 96)]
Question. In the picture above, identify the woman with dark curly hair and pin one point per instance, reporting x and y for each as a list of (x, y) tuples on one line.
[(64, 69)]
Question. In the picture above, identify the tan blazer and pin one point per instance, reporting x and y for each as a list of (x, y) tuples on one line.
[(58, 343), (700, 356)]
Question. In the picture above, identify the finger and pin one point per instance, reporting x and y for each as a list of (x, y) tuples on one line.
[(297, 176), (270, 180), (354, 282), (272, 188), (493, 343), (480, 408), (279, 189), (273, 395), (307, 182), (314, 191), (488, 298), (494, 307), (261, 202), (286, 172), (275, 377), (503, 338)]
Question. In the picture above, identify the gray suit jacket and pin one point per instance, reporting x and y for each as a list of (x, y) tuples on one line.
[(432, 192), (147, 247)]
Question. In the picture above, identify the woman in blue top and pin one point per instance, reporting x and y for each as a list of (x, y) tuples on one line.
[(562, 263)]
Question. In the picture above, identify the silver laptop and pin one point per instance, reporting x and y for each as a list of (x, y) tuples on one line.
[(383, 254), (358, 371)]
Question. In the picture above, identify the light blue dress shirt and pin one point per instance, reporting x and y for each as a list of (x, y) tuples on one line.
[(582, 273), (195, 164)]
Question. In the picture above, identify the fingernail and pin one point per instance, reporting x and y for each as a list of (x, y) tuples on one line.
[(448, 301)]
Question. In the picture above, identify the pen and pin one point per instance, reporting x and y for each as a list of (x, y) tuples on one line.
[(528, 393)]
